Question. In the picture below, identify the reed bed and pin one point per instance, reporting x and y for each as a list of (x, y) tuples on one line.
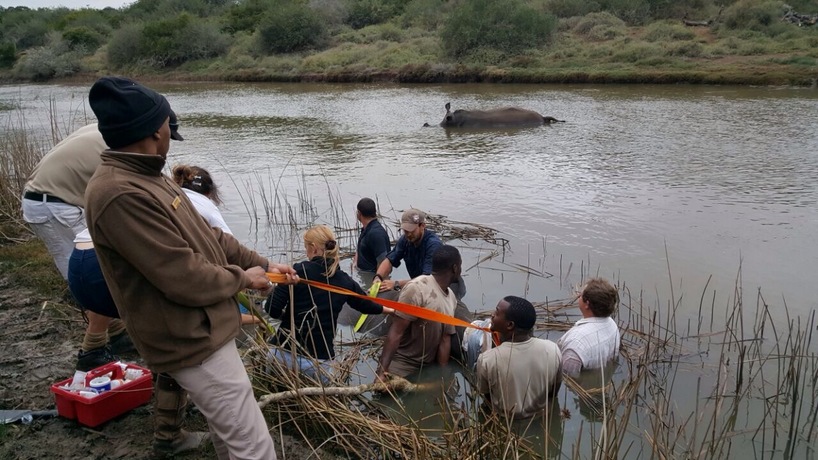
[(746, 398)]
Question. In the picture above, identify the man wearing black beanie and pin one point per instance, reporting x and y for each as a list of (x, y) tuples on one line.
[(172, 277)]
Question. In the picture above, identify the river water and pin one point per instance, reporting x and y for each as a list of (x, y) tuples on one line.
[(672, 191), (651, 186)]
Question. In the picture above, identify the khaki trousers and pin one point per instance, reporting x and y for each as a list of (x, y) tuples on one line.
[(221, 390)]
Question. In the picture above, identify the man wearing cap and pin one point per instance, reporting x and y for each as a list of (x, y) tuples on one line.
[(172, 276), (520, 375), (415, 247)]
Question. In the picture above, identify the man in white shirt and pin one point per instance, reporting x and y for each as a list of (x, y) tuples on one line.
[(519, 376), (594, 340)]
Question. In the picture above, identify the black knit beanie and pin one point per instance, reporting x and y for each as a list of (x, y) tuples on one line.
[(127, 112)]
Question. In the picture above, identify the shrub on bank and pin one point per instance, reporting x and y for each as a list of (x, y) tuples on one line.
[(666, 31), (166, 43), (8, 54), (54, 60), (124, 48), (361, 13), (633, 12), (638, 52), (426, 14), (571, 8), (758, 15), (600, 27), (506, 26), (83, 38), (293, 26)]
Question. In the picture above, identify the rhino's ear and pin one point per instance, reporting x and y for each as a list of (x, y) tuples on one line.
[(448, 106)]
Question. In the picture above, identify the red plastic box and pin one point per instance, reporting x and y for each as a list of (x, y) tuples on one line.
[(95, 411)]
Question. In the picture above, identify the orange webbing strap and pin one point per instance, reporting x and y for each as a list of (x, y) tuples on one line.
[(413, 310)]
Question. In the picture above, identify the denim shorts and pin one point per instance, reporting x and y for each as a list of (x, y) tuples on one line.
[(87, 284)]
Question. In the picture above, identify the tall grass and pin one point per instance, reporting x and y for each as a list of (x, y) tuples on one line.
[(728, 384), (19, 153)]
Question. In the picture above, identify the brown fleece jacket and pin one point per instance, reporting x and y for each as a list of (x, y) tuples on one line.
[(172, 276)]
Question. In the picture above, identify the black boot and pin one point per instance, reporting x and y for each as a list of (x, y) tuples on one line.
[(91, 359), (121, 344)]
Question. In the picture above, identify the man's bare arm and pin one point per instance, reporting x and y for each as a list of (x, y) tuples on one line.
[(444, 349), (390, 345)]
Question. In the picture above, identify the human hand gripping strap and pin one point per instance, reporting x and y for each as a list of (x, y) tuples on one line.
[(413, 310), (373, 292)]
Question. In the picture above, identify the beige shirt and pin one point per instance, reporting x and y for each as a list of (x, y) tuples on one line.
[(418, 345), (65, 170), (519, 376)]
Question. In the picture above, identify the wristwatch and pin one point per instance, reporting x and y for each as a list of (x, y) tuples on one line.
[(397, 285)]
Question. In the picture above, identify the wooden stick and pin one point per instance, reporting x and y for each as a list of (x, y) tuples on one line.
[(394, 384)]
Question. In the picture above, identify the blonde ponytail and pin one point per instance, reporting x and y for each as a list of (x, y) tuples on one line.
[(321, 236)]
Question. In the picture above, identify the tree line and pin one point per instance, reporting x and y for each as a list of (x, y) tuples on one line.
[(40, 44)]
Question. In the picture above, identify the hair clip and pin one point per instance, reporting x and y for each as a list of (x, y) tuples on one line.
[(330, 245)]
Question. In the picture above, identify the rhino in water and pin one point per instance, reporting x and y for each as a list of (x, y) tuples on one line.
[(508, 117)]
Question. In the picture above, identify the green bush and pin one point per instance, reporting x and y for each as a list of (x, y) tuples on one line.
[(427, 14), (293, 26), (166, 43), (26, 33), (633, 12), (332, 12), (753, 14), (508, 26), (638, 52), (54, 60), (124, 46), (571, 8), (83, 38), (245, 16), (686, 49), (8, 53), (602, 32), (373, 33), (361, 13), (594, 20), (100, 21), (662, 31)]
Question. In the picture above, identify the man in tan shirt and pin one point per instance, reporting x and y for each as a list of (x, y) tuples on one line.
[(519, 376), (413, 343)]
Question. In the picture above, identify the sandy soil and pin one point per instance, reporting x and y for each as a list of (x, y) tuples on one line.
[(38, 346)]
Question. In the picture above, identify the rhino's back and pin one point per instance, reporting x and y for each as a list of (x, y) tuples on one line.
[(506, 116)]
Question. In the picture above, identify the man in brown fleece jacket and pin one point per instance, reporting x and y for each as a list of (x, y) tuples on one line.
[(172, 276)]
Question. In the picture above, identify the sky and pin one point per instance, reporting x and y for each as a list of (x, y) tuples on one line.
[(34, 4)]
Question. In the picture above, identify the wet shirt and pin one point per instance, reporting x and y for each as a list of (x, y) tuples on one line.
[(519, 377), (373, 245), (418, 258), (419, 343), (315, 310), (594, 340)]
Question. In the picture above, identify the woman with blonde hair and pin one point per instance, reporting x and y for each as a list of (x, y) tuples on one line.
[(314, 311)]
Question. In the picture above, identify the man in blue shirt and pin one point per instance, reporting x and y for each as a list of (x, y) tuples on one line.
[(415, 247), (373, 243)]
